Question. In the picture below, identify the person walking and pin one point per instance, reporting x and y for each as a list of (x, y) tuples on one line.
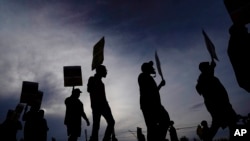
[(156, 117), (74, 113), (100, 106), (216, 100)]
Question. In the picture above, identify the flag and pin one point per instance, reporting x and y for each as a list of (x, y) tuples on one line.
[(98, 56), (210, 46), (158, 64)]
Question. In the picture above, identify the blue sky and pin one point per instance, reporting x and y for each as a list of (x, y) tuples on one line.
[(39, 37)]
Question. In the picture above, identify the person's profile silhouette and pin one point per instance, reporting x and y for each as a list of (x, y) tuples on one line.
[(100, 106), (216, 100), (74, 113), (156, 117)]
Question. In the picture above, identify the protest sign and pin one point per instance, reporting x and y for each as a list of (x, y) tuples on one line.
[(72, 76), (98, 56), (28, 90)]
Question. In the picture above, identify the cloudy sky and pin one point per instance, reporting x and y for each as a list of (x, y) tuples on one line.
[(39, 37)]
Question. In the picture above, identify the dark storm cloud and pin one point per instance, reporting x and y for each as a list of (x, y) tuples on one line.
[(159, 21)]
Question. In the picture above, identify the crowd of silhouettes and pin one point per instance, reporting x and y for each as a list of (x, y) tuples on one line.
[(157, 119)]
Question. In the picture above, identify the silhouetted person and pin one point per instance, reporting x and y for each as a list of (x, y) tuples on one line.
[(156, 117), (199, 131), (99, 105), (204, 131), (9, 128), (216, 100), (239, 54), (42, 127), (74, 114), (30, 119), (140, 135), (172, 132)]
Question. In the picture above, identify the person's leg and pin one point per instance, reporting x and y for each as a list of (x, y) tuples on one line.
[(75, 132), (113, 136), (164, 122), (149, 118), (96, 125), (107, 114)]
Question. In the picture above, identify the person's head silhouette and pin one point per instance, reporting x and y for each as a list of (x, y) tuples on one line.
[(76, 93), (204, 67), (41, 113), (101, 71), (148, 68), (171, 123), (204, 123)]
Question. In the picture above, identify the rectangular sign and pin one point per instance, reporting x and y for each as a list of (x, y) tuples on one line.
[(28, 90), (72, 76), (98, 55)]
